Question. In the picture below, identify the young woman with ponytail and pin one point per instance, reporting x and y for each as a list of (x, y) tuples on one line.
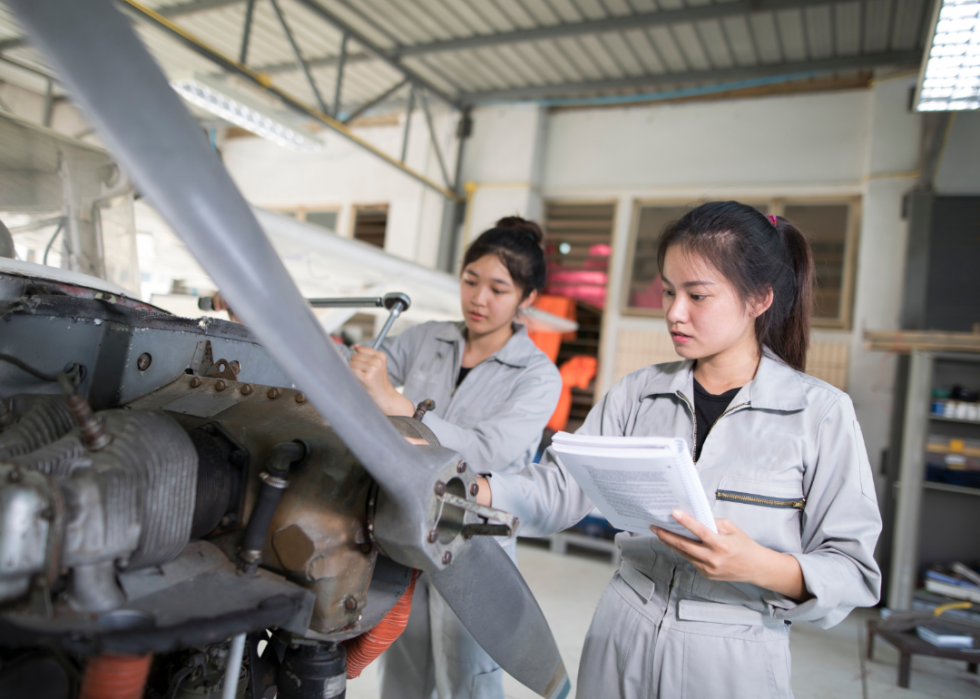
[(780, 455)]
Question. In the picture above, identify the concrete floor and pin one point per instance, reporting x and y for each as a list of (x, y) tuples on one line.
[(827, 664)]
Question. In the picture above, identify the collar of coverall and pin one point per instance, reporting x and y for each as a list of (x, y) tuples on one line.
[(517, 353), (776, 385)]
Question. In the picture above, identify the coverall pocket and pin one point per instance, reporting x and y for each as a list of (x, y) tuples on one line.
[(769, 512)]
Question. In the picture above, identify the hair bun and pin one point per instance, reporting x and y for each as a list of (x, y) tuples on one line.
[(516, 223)]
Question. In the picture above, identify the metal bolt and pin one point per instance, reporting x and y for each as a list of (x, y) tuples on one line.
[(461, 467), (300, 398), (366, 548), (474, 489), (220, 385), (247, 389), (235, 366), (208, 429), (447, 558), (440, 488), (273, 393), (143, 362), (228, 520), (433, 536), (350, 603), (14, 476), (195, 382)]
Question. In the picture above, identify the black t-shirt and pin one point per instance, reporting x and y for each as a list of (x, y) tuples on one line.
[(463, 371), (708, 408)]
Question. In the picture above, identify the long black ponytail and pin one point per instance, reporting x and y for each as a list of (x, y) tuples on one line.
[(755, 253)]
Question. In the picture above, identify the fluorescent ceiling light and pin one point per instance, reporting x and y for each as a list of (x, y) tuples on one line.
[(213, 95), (950, 76)]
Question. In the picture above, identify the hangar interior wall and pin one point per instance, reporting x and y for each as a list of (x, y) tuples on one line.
[(849, 143)]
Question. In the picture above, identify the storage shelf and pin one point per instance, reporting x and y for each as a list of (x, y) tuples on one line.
[(943, 418), (947, 488)]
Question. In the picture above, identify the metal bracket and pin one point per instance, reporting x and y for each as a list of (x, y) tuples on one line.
[(506, 523)]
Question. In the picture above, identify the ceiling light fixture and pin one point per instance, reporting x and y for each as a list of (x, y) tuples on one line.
[(213, 95), (950, 75)]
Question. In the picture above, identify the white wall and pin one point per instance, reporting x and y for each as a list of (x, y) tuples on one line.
[(344, 175)]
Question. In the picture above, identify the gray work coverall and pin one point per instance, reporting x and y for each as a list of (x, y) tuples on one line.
[(787, 464), (494, 419)]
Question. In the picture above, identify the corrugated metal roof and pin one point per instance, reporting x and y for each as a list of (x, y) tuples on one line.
[(479, 50)]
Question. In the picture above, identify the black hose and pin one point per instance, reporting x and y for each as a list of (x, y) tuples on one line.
[(274, 482)]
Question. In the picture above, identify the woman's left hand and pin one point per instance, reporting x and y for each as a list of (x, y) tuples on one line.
[(370, 366), (732, 555)]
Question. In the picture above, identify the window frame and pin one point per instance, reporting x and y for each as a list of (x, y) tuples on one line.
[(776, 206)]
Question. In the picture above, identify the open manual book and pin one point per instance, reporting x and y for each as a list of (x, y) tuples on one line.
[(636, 481)]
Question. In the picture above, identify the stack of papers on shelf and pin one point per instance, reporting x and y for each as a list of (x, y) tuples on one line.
[(636, 481), (958, 582), (944, 635)]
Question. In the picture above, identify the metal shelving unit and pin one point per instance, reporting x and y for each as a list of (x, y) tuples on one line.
[(933, 521)]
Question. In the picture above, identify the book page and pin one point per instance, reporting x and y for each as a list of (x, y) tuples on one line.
[(635, 488)]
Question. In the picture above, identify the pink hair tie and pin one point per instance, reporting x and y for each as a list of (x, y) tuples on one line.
[(772, 220)]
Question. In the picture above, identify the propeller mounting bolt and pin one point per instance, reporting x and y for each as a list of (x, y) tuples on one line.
[(195, 382), (220, 385), (433, 536), (440, 488), (300, 398), (461, 467), (474, 489), (143, 363), (351, 603), (447, 558), (247, 389), (273, 393)]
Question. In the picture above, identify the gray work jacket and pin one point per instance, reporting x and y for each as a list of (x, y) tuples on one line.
[(496, 416), (786, 463)]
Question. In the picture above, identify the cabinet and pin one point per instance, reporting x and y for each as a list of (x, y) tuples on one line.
[(933, 522)]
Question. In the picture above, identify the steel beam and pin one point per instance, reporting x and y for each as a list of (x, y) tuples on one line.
[(321, 62), (384, 55), (231, 65), (190, 8), (374, 102), (612, 24), (15, 43), (300, 61), (537, 92), (408, 123), (48, 111), (246, 32), (339, 83), (432, 137)]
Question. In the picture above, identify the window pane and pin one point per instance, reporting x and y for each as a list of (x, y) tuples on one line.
[(325, 219), (645, 289), (825, 225)]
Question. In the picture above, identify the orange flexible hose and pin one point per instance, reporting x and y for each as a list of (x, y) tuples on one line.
[(115, 677), (364, 649)]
